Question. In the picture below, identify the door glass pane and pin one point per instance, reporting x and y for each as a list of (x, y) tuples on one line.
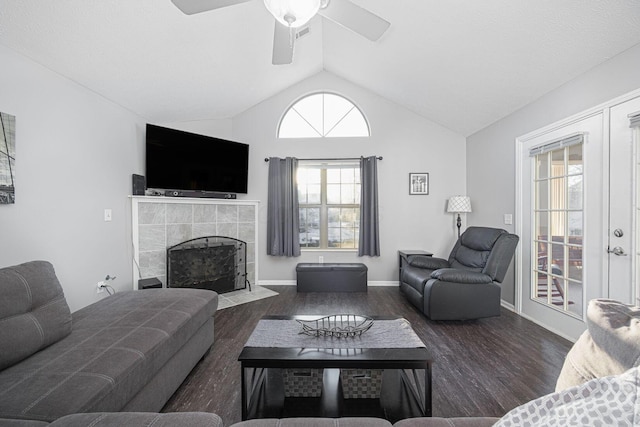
[(542, 257), (575, 225), (575, 192), (557, 163), (575, 159), (542, 225), (558, 204), (558, 226), (558, 193), (575, 263), (542, 162), (542, 194)]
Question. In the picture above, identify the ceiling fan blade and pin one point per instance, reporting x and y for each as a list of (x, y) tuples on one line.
[(282, 45), (190, 7), (355, 18)]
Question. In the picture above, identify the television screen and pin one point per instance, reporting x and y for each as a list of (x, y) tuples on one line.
[(177, 160)]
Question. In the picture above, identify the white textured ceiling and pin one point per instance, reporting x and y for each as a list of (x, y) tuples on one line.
[(461, 63)]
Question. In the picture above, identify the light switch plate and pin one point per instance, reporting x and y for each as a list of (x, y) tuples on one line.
[(508, 219), (107, 214)]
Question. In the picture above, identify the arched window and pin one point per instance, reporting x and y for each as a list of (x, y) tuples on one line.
[(321, 115)]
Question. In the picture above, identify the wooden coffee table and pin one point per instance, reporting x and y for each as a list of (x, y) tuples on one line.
[(404, 392)]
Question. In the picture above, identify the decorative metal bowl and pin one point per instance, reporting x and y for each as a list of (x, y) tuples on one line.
[(337, 325)]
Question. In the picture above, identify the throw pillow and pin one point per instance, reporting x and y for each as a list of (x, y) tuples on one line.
[(33, 311), (610, 345), (609, 401)]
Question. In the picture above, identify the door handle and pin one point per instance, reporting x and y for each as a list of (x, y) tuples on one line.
[(617, 251)]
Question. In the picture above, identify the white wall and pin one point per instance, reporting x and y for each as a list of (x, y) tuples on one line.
[(75, 153), (408, 143), (491, 151), (219, 128)]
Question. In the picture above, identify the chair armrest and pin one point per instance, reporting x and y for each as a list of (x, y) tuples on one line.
[(461, 276), (428, 262)]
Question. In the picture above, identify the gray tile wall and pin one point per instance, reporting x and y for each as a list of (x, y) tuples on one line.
[(162, 225)]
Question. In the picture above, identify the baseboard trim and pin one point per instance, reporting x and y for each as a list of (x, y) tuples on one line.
[(508, 306), (277, 283), (293, 283), (547, 327), (382, 283)]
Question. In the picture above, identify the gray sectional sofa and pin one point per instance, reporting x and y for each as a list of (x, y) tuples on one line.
[(127, 352), (116, 362)]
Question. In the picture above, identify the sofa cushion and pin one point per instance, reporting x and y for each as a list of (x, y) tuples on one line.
[(33, 311), (609, 346), (116, 347), (139, 419), (315, 422), (608, 401), (447, 422)]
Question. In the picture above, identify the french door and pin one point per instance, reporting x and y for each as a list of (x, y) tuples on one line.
[(577, 197)]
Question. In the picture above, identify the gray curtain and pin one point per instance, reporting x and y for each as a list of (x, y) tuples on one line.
[(369, 243), (282, 208)]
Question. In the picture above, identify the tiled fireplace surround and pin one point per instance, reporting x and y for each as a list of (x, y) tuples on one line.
[(161, 222)]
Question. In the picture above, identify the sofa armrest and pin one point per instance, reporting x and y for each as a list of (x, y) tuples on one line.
[(460, 276), (428, 262)]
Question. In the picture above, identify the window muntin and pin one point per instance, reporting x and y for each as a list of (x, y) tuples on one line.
[(329, 198), (323, 115), (558, 233)]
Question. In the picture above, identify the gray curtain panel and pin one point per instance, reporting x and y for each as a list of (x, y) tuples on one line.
[(369, 243), (282, 208)]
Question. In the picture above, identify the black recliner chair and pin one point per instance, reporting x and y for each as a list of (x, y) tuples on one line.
[(466, 286)]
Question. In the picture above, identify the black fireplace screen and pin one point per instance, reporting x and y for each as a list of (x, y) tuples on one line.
[(216, 263)]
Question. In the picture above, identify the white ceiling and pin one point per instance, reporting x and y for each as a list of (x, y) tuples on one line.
[(461, 63)]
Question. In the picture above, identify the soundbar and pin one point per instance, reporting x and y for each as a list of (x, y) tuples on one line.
[(200, 194)]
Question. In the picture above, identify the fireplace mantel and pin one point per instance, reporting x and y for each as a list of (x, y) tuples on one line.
[(161, 222)]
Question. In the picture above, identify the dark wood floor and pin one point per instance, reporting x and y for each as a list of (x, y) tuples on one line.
[(481, 368)]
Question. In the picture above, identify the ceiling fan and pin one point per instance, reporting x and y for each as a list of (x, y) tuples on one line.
[(293, 14)]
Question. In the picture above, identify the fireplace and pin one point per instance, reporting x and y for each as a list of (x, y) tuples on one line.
[(216, 263)]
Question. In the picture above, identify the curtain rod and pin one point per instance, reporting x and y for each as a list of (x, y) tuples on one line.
[(266, 159)]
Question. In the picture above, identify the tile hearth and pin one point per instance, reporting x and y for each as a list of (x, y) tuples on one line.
[(243, 296)]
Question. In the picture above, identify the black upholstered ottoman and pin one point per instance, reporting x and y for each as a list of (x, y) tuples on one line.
[(331, 277)]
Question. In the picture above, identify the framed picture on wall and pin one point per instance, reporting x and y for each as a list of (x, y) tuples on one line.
[(419, 183), (7, 158)]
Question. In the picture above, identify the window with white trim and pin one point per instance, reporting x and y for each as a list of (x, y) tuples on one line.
[(323, 115), (329, 198)]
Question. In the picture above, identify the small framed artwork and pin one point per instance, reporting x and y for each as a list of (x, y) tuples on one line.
[(7, 159), (419, 183)]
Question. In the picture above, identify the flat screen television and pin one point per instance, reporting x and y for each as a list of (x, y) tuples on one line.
[(178, 160)]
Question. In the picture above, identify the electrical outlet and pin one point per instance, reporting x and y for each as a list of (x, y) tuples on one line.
[(321, 259), (100, 287)]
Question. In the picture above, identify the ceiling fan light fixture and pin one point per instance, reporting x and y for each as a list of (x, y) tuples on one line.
[(293, 13)]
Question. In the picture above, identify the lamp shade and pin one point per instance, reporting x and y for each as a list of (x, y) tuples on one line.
[(459, 204), (293, 13)]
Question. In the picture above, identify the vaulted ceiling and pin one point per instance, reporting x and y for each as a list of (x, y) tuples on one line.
[(461, 63)]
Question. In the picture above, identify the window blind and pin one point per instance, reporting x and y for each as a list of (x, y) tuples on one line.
[(634, 120), (566, 141)]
